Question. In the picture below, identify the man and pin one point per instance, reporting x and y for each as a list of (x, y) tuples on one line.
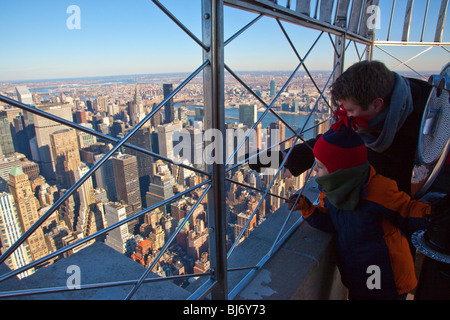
[(391, 105)]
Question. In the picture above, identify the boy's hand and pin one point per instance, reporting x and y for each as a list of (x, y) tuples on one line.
[(303, 203)]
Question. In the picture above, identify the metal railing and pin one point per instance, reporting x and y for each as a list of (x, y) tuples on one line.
[(347, 28)]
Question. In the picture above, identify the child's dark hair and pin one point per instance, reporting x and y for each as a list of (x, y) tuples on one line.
[(362, 83)]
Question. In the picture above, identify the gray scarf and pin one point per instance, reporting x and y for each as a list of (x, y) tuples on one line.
[(391, 119)]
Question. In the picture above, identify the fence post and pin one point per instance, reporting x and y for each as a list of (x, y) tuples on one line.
[(214, 118)]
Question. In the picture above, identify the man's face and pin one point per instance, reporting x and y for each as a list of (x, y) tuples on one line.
[(354, 110)]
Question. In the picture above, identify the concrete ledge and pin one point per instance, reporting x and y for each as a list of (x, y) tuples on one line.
[(303, 268), (98, 263)]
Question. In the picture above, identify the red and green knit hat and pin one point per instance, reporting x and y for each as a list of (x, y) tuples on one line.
[(341, 147)]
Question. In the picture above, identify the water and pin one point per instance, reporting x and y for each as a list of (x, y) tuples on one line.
[(294, 120)]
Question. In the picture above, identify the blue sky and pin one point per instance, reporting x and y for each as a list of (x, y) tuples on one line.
[(134, 37)]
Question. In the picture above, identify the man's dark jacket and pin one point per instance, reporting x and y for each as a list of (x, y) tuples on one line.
[(397, 161)]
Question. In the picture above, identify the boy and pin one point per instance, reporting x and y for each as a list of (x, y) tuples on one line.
[(368, 214), (394, 106)]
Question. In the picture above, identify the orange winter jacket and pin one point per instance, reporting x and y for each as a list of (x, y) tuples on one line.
[(373, 237)]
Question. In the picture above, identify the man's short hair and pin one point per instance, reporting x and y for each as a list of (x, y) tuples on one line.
[(364, 82)]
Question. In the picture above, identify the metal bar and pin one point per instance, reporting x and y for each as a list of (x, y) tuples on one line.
[(340, 19), (243, 29), (334, 46), (422, 52), (424, 20), (441, 21), (355, 14), (326, 6), (203, 290), (242, 268), (174, 19), (303, 7), (407, 23), (166, 246), (91, 171), (76, 126), (410, 44), (425, 78), (276, 11), (215, 108), (390, 21), (98, 233), (27, 292), (364, 29)]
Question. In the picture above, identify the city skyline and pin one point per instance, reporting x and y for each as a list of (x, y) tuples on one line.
[(137, 38)]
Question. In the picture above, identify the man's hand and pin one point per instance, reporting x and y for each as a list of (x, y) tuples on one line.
[(265, 159)]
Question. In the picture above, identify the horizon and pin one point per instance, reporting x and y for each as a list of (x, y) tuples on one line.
[(137, 38), (167, 74)]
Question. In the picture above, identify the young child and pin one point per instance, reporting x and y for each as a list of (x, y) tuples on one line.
[(368, 214)]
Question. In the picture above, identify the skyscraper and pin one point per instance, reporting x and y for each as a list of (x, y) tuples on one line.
[(43, 127), (273, 89), (10, 232), (247, 114), (137, 113), (118, 237), (143, 138), (127, 185), (6, 141), (168, 107), (90, 218), (66, 154), (160, 189), (165, 138), (27, 210), (24, 95)]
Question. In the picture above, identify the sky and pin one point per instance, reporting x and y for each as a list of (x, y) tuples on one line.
[(118, 37)]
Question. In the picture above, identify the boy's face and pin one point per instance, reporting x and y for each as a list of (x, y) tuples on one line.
[(320, 169)]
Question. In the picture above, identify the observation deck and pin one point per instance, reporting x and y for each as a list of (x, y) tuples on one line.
[(233, 237)]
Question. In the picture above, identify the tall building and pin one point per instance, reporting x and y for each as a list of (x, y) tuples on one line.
[(127, 185), (247, 114), (242, 219), (118, 237), (10, 232), (6, 140), (27, 210), (277, 134), (104, 177), (143, 138), (169, 109), (24, 95), (235, 133), (165, 138), (273, 88), (90, 216), (66, 154), (101, 104), (160, 189), (137, 113), (40, 143)]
